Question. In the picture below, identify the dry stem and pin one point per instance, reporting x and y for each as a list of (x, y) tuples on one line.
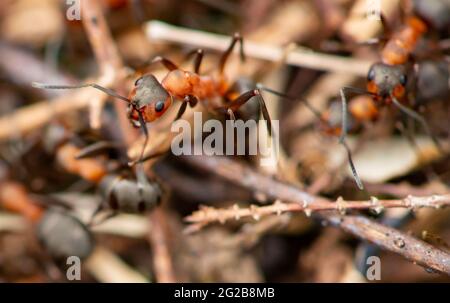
[(208, 215), (301, 57), (386, 237)]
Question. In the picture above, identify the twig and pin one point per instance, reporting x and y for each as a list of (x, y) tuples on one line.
[(304, 58), (162, 260), (37, 115), (386, 237), (106, 54), (210, 214), (107, 267), (13, 59)]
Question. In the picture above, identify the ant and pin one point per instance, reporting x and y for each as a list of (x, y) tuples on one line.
[(149, 99), (387, 83), (120, 191), (60, 234)]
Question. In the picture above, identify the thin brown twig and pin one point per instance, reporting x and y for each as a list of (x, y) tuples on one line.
[(36, 115), (106, 54), (388, 238), (209, 214), (110, 63), (300, 57), (162, 260)]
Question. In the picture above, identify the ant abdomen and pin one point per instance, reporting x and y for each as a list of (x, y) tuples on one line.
[(128, 195), (63, 235), (432, 81), (435, 12)]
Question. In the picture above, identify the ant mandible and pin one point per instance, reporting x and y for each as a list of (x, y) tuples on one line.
[(149, 99)]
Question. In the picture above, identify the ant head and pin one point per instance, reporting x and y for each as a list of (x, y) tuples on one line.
[(385, 80), (149, 97), (432, 80)]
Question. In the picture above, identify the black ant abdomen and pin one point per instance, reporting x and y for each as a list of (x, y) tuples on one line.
[(435, 12), (432, 81), (63, 235)]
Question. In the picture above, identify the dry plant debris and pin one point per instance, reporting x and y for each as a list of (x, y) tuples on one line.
[(203, 218)]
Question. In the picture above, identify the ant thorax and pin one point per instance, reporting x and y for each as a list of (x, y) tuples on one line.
[(180, 83)]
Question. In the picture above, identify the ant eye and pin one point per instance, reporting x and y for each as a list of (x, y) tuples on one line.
[(138, 81), (159, 106), (403, 79), (371, 74)]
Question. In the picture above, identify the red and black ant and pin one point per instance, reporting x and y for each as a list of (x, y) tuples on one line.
[(387, 83), (149, 99), (121, 192), (61, 234)]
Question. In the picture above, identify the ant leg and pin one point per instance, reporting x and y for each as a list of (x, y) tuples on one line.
[(411, 113), (197, 59), (223, 60), (242, 99), (108, 216), (145, 131), (344, 102), (142, 69), (286, 96), (231, 114), (192, 100), (97, 149), (182, 109), (343, 135), (96, 211), (151, 156), (165, 62)]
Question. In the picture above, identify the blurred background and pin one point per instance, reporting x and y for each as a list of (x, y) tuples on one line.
[(47, 197)]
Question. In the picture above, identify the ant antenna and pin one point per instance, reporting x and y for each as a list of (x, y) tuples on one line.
[(286, 96), (343, 135), (107, 91), (145, 131), (411, 113), (319, 116), (111, 93)]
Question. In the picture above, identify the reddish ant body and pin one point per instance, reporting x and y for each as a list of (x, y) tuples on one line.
[(149, 99)]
